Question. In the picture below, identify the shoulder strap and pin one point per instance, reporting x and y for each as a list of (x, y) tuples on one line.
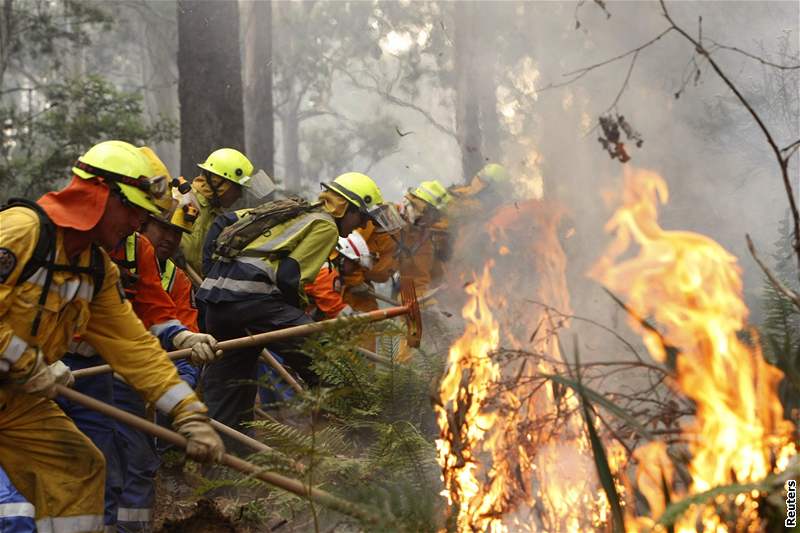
[(234, 239), (47, 237), (44, 256)]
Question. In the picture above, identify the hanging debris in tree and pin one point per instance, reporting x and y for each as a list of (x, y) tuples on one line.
[(611, 138)]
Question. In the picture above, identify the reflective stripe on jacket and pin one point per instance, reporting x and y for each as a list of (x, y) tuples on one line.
[(107, 321), (286, 258), (151, 302), (177, 284)]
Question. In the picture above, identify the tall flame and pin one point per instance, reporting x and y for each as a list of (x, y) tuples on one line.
[(463, 417), (692, 288), (508, 463)]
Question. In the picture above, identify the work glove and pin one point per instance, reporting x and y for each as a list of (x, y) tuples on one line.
[(62, 374), (38, 380), (204, 445), (204, 346), (346, 311)]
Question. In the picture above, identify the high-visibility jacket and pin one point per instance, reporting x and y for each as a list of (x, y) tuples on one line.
[(179, 287), (141, 279), (277, 264), (382, 245), (326, 291), (192, 243), (106, 321)]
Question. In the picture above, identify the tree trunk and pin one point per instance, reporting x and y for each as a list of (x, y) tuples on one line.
[(209, 80), (468, 130), (258, 121), (486, 82), (291, 152), (155, 26)]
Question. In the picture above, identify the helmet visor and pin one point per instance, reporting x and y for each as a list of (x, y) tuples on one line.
[(386, 217), (260, 185)]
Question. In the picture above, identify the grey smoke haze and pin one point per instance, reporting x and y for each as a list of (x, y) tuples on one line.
[(723, 180)]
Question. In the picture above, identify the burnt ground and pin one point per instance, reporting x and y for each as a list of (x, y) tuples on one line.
[(182, 506)]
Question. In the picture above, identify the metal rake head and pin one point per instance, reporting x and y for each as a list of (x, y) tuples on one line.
[(408, 295)]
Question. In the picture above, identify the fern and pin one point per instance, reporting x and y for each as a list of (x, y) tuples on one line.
[(781, 343)]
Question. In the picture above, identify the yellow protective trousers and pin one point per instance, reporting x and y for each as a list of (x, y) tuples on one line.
[(53, 464)]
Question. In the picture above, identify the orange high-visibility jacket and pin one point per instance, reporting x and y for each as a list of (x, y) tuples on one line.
[(179, 287), (105, 320), (326, 291), (137, 257)]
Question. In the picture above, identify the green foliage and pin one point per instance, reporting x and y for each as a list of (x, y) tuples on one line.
[(599, 454), (358, 436), (44, 31), (80, 113), (50, 116), (779, 331)]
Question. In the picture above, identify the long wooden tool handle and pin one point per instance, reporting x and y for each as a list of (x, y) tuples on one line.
[(288, 484), (286, 376), (262, 339)]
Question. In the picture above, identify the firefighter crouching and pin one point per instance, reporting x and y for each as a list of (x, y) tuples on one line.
[(57, 282)]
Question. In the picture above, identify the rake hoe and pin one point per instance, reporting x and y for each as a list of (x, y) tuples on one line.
[(409, 309)]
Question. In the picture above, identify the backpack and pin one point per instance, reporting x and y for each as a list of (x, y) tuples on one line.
[(43, 256), (258, 221)]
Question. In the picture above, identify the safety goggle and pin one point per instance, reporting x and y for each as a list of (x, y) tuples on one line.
[(156, 186)]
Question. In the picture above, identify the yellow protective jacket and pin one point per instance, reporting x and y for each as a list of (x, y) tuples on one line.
[(192, 243), (416, 257), (106, 320)]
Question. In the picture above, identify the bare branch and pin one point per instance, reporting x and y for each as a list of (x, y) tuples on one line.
[(754, 57), (782, 162), (401, 103), (581, 72), (775, 282)]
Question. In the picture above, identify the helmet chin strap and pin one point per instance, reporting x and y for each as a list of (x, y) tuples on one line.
[(216, 199)]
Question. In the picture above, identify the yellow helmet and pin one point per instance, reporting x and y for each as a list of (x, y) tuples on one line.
[(230, 164), (362, 191), (359, 189), (494, 173), (433, 193), (126, 167), (159, 169)]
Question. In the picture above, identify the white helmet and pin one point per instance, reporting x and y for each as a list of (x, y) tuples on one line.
[(355, 247)]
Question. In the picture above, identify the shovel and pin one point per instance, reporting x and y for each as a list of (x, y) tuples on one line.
[(276, 480), (409, 309)]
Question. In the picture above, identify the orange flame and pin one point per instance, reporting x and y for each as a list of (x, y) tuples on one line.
[(692, 288), (462, 417), (501, 470)]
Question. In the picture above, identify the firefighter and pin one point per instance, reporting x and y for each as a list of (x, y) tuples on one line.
[(128, 453), (359, 293), (422, 208), (490, 188), (328, 290), (259, 287), (224, 174), (165, 233), (56, 281), (151, 299)]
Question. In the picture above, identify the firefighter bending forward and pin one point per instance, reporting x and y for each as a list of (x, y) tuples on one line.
[(56, 282)]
